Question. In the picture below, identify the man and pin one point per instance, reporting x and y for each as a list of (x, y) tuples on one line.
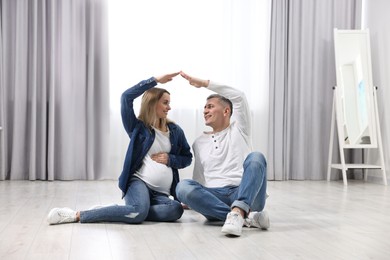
[(229, 180)]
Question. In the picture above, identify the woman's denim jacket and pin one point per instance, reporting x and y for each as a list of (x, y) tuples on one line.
[(142, 138)]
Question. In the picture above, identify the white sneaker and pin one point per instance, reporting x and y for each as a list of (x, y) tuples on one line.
[(233, 224), (258, 219), (61, 215)]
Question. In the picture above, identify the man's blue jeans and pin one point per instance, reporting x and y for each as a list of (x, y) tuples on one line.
[(141, 204), (216, 203)]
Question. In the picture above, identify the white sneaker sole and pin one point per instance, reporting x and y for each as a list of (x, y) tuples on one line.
[(228, 230)]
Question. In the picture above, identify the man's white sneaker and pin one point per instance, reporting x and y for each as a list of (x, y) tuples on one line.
[(258, 219), (233, 224), (61, 215)]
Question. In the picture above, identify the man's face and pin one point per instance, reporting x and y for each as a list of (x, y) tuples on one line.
[(214, 113)]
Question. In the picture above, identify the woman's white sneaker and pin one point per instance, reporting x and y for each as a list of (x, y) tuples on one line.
[(61, 215)]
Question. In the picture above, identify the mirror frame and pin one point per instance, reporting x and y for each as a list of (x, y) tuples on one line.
[(352, 49)]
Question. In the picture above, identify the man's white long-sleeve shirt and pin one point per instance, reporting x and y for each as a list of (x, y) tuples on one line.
[(219, 157)]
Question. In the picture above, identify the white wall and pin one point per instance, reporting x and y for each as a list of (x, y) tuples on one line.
[(222, 40), (376, 18)]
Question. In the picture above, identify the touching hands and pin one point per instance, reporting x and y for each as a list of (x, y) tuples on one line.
[(196, 82)]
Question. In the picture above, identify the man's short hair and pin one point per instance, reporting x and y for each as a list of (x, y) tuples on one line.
[(223, 100)]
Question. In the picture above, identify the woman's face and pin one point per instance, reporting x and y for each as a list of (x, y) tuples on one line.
[(162, 106)]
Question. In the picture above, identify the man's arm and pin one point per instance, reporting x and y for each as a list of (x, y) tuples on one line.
[(196, 82), (198, 172), (241, 112)]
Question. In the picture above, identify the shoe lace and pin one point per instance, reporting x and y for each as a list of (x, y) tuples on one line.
[(65, 214), (232, 218)]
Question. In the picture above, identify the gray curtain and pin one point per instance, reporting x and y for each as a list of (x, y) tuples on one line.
[(2, 156), (302, 74), (55, 87)]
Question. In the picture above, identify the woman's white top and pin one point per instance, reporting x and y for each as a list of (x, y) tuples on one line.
[(157, 176)]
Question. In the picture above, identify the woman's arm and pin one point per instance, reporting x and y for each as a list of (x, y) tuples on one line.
[(129, 119)]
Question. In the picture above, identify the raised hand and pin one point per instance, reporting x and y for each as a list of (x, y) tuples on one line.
[(198, 83), (166, 78)]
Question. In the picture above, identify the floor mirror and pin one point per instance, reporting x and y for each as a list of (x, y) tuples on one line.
[(354, 110)]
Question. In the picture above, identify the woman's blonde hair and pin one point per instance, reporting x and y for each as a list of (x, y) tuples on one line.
[(147, 114)]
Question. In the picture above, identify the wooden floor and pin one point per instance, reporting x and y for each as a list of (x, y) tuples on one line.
[(309, 220)]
